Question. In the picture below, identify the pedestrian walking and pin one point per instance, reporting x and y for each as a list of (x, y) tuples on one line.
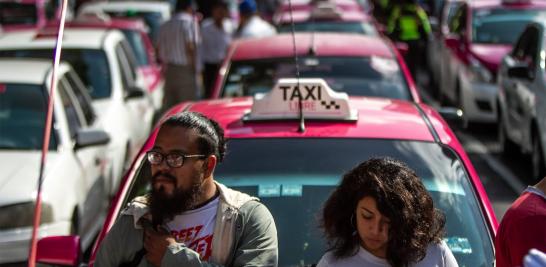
[(189, 219), (523, 227), (251, 25), (176, 45), (381, 215), (217, 32)]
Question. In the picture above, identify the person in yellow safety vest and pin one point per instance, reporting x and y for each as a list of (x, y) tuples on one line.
[(409, 23)]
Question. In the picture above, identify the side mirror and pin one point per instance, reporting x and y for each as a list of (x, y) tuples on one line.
[(402, 48), (59, 250), (452, 41), (520, 71), (453, 116), (87, 137), (134, 92)]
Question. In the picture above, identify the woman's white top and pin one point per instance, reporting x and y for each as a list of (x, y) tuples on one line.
[(438, 255)]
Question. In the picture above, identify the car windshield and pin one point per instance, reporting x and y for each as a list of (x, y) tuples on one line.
[(90, 64), (22, 117), (152, 19), (500, 25), (321, 26), (362, 76), (294, 177), (137, 44), (17, 13)]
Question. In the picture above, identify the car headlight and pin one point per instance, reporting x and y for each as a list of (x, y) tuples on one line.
[(479, 72), (22, 215)]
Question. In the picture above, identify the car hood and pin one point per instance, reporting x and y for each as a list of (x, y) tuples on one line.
[(19, 175), (490, 55)]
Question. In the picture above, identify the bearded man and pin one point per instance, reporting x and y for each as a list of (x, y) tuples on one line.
[(189, 219)]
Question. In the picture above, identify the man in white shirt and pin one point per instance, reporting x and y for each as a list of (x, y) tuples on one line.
[(176, 45), (250, 23), (217, 32)]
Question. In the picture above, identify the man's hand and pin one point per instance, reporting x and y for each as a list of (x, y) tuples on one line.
[(156, 243)]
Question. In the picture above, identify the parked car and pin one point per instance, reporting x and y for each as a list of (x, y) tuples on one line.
[(326, 17), (356, 64), (30, 14), (481, 33), (293, 171), (522, 98), (154, 13), (77, 172), (105, 62)]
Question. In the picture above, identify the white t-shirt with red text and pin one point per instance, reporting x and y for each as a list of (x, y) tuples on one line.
[(195, 228)]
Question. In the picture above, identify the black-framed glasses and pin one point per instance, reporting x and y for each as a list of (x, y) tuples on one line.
[(174, 160)]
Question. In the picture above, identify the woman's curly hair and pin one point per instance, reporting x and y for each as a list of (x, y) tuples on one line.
[(400, 196)]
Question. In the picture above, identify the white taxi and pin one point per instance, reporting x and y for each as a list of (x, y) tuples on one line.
[(77, 169), (105, 62)]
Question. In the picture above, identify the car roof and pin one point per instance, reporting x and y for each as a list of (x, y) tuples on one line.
[(18, 70), (306, 15), (107, 23), (46, 38), (146, 6), (322, 44), (515, 3), (378, 118)]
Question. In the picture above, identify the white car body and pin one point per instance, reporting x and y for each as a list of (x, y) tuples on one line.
[(75, 178), (522, 98), (128, 120)]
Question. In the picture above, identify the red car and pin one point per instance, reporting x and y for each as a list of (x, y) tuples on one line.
[(480, 34), (136, 34), (294, 171), (352, 63)]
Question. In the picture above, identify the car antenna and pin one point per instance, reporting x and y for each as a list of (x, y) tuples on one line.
[(301, 128), (47, 133)]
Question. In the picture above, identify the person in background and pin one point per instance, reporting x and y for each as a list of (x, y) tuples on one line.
[(217, 32), (409, 23), (176, 45), (523, 227), (381, 215), (250, 23)]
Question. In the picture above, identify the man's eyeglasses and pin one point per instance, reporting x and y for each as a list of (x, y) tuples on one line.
[(174, 160)]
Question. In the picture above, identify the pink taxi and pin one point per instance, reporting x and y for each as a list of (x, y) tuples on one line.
[(352, 63), (293, 164), (480, 34), (136, 34), (25, 14)]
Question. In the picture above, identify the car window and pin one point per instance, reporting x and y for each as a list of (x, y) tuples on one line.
[(152, 19), (501, 25), (17, 13), (23, 109), (127, 78), (294, 177), (457, 24), (90, 64), (73, 114), (521, 44), (346, 27), (363, 76), (137, 45), (82, 97)]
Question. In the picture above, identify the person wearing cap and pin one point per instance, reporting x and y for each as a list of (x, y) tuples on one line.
[(250, 23), (217, 32), (176, 45)]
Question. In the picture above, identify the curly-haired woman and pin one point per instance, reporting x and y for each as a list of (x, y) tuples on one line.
[(382, 215)]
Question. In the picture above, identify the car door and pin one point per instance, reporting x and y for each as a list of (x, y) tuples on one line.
[(137, 100), (519, 91), (91, 159)]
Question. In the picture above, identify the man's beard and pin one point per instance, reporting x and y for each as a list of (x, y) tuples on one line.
[(164, 207)]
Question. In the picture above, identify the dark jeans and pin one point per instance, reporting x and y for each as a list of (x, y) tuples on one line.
[(415, 57), (209, 78)]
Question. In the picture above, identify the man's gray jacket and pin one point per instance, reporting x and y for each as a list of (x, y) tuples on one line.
[(244, 235)]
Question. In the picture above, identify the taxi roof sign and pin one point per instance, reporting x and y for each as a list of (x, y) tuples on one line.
[(318, 101)]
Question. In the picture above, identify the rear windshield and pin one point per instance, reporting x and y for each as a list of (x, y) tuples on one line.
[(17, 13), (501, 25), (23, 109), (90, 64), (361, 76), (321, 26)]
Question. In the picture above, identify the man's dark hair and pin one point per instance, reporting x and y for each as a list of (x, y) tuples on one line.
[(182, 5), (211, 135), (400, 196)]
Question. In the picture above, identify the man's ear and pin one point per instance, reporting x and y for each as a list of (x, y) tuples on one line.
[(210, 164)]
